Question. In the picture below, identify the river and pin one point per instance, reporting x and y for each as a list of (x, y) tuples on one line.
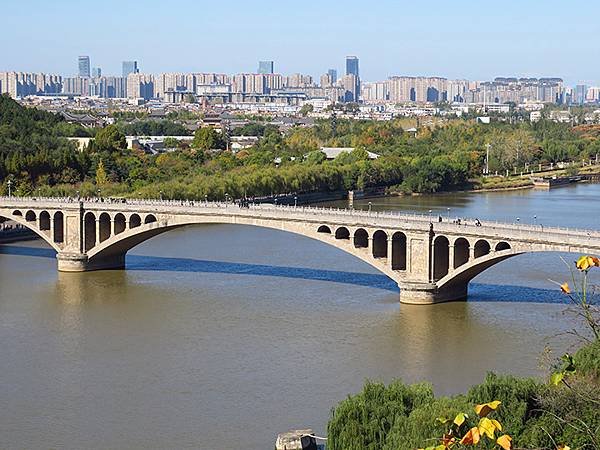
[(220, 337)]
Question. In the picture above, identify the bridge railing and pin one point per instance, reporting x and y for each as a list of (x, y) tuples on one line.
[(366, 218)]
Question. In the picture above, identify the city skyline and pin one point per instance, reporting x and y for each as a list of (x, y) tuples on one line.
[(530, 40)]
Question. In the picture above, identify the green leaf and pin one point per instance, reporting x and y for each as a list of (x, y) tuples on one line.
[(460, 419), (556, 378)]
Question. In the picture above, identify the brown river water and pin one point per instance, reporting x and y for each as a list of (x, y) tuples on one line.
[(222, 336)]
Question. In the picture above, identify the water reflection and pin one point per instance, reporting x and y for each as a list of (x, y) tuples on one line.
[(75, 288)]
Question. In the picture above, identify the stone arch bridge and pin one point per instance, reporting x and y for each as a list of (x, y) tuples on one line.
[(430, 262)]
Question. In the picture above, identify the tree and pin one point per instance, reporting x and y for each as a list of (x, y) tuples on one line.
[(207, 138), (110, 139), (101, 178), (306, 110)]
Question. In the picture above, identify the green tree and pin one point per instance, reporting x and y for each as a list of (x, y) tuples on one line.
[(206, 138), (306, 109), (110, 139)]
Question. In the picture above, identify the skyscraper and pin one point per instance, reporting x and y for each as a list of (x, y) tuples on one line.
[(332, 75), (130, 67), (96, 72), (84, 66), (352, 69), (580, 94), (352, 66), (265, 67)]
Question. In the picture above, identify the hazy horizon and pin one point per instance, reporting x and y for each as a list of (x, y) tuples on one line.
[(459, 39)]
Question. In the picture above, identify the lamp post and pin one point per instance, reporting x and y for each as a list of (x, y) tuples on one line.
[(77, 193), (160, 195), (448, 214), (370, 205), (98, 192), (535, 220), (430, 216), (295, 201), (206, 199), (39, 193), (226, 198), (9, 182)]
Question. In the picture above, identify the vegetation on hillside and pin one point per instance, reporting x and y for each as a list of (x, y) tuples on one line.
[(35, 155)]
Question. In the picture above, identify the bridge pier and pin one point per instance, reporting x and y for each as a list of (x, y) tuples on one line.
[(79, 262), (422, 293)]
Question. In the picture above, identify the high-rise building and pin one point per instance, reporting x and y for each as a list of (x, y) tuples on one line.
[(140, 86), (332, 75), (84, 66), (580, 94), (352, 66), (352, 69), (265, 67), (130, 67), (96, 72)]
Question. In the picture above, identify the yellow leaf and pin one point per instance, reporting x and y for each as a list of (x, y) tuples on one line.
[(486, 427), (497, 425), (565, 289), (486, 408), (460, 419), (585, 262), (563, 447), (472, 437), (505, 441)]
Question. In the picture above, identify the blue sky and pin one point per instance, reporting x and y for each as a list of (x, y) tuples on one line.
[(452, 38)]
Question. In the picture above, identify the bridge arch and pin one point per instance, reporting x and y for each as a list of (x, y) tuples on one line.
[(104, 227), (342, 233), (150, 218), (30, 216), (16, 212), (118, 245), (120, 223), (399, 250), (380, 247), (45, 221), (361, 238), (19, 219), (441, 257), (502, 245), (461, 252), (89, 231), (324, 229), (481, 248), (466, 272), (59, 227), (135, 221)]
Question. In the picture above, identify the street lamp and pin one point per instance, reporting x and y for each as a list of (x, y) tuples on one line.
[(160, 195), (448, 214), (295, 201), (535, 219), (9, 182), (77, 192), (206, 199), (99, 192), (370, 205), (226, 197), (430, 216)]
